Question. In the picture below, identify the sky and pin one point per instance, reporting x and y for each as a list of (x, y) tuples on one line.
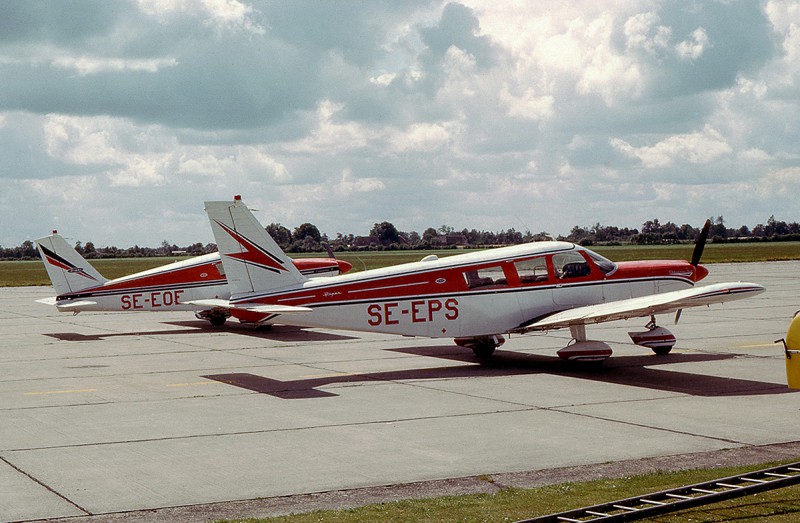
[(119, 119)]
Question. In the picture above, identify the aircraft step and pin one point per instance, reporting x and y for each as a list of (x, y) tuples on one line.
[(680, 498)]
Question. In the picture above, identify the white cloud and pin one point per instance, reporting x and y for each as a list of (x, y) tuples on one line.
[(330, 136), (579, 113), (694, 47), (421, 137), (69, 190), (643, 32), (138, 172), (86, 65), (348, 185), (222, 15), (696, 148), (528, 105)]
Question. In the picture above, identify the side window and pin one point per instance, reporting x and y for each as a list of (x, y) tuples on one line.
[(485, 277), (570, 265), (532, 271)]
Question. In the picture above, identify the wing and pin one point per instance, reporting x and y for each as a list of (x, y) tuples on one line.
[(646, 305)]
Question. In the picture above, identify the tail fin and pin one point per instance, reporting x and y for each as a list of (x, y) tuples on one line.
[(67, 269), (252, 260)]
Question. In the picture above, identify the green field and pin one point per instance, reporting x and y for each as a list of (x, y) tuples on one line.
[(23, 273)]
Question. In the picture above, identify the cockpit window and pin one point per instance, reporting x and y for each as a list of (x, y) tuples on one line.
[(571, 265), (604, 264)]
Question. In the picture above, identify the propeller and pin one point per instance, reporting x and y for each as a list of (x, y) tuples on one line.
[(700, 244)]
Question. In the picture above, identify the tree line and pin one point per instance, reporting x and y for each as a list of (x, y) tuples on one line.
[(385, 236)]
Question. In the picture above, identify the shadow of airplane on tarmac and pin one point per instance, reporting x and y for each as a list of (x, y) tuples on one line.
[(276, 332), (634, 371)]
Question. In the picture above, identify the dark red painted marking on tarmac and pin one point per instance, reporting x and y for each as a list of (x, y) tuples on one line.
[(633, 371)]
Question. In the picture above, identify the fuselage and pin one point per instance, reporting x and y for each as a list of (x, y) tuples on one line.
[(475, 294), (167, 288)]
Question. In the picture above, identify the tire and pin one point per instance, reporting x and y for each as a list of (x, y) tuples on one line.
[(661, 351), (483, 349), (217, 320)]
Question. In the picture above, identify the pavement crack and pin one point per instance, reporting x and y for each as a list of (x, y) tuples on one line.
[(44, 485)]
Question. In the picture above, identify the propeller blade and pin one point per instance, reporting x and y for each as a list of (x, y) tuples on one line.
[(700, 244)]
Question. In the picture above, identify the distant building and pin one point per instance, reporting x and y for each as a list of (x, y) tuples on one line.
[(362, 242), (451, 240)]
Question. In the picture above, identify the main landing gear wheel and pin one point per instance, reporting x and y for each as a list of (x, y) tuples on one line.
[(658, 339), (217, 320), (482, 346), (215, 317), (661, 351)]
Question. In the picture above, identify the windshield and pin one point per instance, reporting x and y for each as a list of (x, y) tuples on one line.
[(604, 264)]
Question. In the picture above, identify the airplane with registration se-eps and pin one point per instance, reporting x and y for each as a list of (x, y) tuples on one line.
[(475, 298), (80, 287)]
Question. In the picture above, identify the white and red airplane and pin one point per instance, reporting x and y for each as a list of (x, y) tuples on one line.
[(475, 298), (80, 287)]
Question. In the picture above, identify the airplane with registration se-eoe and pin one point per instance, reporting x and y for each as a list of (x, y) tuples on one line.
[(80, 287), (474, 298)]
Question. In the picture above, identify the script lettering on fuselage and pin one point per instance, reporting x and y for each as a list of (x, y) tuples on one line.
[(154, 300), (415, 311)]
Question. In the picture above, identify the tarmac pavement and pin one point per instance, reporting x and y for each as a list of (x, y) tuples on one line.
[(115, 415)]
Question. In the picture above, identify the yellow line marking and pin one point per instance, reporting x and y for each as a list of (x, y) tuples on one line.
[(40, 393), (192, 384), (757, 345)]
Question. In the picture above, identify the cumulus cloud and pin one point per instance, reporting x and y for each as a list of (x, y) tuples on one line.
[(694, 47), (695, 148)]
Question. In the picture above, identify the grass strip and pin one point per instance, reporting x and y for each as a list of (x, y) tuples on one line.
[(512, 504)]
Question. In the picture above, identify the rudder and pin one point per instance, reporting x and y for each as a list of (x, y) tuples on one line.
[(253, 261)]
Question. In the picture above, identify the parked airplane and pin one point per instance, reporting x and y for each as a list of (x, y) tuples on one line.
[(79, 287), (474, 298)]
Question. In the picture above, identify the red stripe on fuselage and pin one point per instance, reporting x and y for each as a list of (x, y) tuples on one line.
[(450, 281)]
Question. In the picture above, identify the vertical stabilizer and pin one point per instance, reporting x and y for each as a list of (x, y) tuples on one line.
[(69, 272), (253, 261)]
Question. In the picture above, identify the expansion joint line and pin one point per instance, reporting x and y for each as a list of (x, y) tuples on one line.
[(44, 485)]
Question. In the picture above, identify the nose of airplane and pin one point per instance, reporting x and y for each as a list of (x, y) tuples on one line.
[(700, 272), (343, 266)]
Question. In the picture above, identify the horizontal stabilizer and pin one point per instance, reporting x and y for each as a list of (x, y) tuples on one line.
[(47, 301), (261, 308), (277, 309), (75, 305), (210, 303)]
